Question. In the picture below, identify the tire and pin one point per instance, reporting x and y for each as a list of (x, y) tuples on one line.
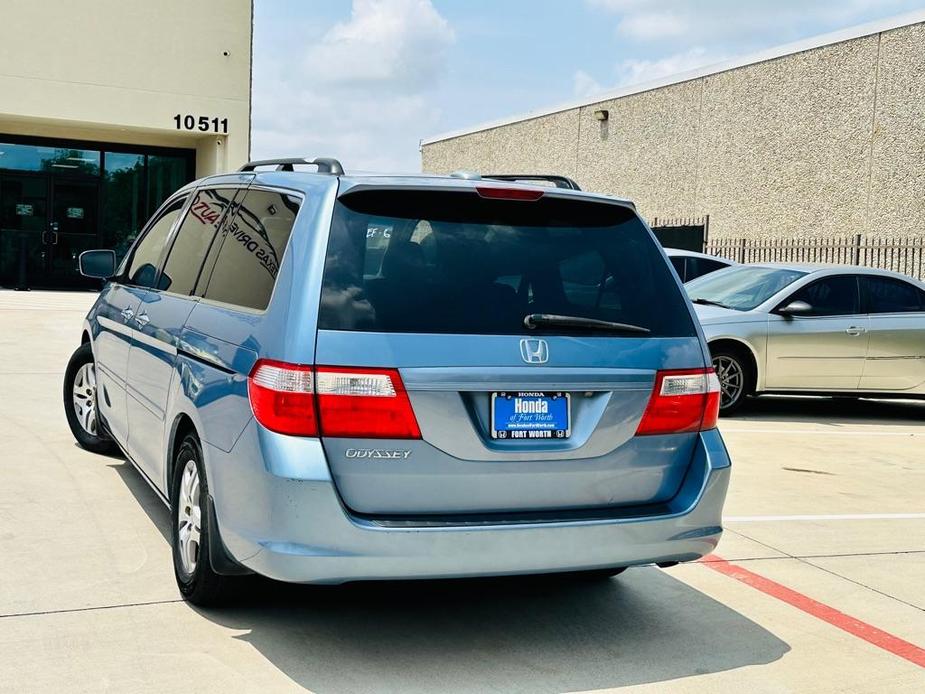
[(736, 379), (80, 403), (189, 522)]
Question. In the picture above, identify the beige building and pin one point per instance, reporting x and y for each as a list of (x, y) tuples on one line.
[(107, 107), (821, 138)]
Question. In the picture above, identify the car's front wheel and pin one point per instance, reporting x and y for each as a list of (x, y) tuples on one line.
[(80, 402), (191, 529), (735, 379)]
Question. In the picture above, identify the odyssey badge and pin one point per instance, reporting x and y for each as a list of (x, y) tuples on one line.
[(378, 453)]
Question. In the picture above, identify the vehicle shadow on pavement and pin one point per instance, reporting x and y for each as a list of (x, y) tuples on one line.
[(515, 634), (825, 410), (537, 634), (149, 501)]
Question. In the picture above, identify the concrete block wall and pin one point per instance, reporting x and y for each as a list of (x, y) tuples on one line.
[(825, 142)]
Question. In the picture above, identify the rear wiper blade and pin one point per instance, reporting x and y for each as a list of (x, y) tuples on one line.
[(538, 320), (709, 302)]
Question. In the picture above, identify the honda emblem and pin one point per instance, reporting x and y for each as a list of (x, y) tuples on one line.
[(534, 351)]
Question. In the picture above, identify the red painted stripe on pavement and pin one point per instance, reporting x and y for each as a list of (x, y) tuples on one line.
[(855, 627)]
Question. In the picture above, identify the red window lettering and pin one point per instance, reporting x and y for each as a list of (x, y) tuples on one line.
[(202, 211)]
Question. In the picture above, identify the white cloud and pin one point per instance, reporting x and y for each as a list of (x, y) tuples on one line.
[(733, 22), (652, 25), (697, 34), (637, 71), (361, 93), (585, 85), (634, 71), (401, 43)]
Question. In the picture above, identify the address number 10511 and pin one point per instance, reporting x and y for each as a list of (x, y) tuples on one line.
[(204, 124)]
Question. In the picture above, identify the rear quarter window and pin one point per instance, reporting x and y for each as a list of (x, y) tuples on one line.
[(453, 262)]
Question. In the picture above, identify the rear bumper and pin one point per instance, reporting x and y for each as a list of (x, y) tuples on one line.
[(284, 519)]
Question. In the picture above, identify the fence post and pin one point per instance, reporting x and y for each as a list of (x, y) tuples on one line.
[(857, 249), (742, 251)]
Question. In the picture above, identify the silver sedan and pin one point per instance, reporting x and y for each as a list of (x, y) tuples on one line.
[(827, 330)]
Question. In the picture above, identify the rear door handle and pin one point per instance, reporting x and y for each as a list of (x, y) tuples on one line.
[(854, 330), (142, 319), (127, 314)]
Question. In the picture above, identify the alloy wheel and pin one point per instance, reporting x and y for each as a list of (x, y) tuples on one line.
[(84, 398), (731, 380), (189, 518)]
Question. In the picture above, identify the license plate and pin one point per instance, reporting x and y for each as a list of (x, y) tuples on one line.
[(530, 415)]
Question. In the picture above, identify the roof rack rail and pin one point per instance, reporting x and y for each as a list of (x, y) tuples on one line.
[(558, 181), (326, 165)]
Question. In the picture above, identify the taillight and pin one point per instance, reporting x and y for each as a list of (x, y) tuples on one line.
[(364, 403), (681, 401), (283, 397), (331, 401)]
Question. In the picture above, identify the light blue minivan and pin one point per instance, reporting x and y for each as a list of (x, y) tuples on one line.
[(333, 377)]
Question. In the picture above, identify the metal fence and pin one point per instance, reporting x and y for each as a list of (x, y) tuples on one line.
[(901, 255)]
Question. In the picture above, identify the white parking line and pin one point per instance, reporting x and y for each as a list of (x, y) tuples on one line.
[(834, 517), (817, 432)]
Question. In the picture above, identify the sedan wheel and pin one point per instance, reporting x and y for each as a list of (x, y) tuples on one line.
[(731, 380)]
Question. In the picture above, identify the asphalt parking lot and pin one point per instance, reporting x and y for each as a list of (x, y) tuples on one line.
[(818, 584)]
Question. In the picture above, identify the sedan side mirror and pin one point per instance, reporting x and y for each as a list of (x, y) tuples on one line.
[(99, 263), (795, 308)]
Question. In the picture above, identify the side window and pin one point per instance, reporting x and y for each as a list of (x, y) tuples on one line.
[(831, 296), (678, 262), (194, 237), (252, 248), (141, 270), (887, 295)]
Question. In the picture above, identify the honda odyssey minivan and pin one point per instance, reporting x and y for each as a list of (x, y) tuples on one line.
[(332, 378)]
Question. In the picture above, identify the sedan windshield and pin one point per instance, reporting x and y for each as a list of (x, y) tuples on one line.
[(741, 288)]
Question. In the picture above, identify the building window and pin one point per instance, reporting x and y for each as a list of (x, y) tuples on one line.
[(124, 204), (63, 160), (62, 197), (134, 186), (165, 175)]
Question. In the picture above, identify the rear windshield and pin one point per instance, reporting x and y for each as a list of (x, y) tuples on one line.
[(453, 262)]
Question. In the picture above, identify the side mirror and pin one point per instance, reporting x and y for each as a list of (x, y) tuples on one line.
[(795, 308), (100, 264)]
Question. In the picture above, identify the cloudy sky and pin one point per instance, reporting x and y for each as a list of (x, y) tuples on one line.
[(365, 80)]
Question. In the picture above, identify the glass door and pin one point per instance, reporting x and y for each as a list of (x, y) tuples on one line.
[(72, 229), (23, 229)]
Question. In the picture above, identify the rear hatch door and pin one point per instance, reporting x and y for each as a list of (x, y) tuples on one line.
[(515, 414)]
